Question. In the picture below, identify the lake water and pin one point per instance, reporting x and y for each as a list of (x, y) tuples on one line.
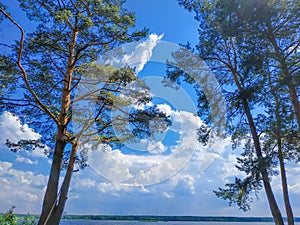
[(99, 222)]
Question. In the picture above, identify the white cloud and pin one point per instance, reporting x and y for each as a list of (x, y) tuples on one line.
[(20, 187), (295, 188), (116, 189), (142, 52), (24, 189), (136, 57), (26, 160), (167, 195), (293, 174), (185, 185), (12, 129), (146, 169), (4, 166), (38, 152), (229, 169), (189, 190), (142, 106), (106, 163), (81, 183), (156, 147), (165, 108)]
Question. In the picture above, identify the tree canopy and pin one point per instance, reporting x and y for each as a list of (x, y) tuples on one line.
[(65, 93), (253, 49)]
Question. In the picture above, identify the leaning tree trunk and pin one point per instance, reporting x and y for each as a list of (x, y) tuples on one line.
[(263, 170), (53, 207), (51, 194), (261, 162), (50, 198), (288, 207), (56, 215), (292, 87)]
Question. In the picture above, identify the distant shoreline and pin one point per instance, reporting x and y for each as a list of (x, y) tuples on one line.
[(151, 218)]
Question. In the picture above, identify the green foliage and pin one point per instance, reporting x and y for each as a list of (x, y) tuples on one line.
[(7, 81), (64, 94), (252, 47), (9, 218), (239, 192), (28, 220), (63, 15), (99, 26)]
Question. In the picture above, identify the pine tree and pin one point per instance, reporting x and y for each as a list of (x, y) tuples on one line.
[(58, 76)]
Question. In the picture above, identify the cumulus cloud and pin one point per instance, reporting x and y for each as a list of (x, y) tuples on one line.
[(135, 57), (163, 162), (12, 129), (116, 188), (148, 169), (156, 147), (26, 160), (83, 183), (293, 173), (142, 53), (188, 190), (185, 185), (229, 169), (21, 188), (19, 185), (165, 108)]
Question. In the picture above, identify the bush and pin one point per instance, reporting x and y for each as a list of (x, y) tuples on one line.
[(28, 220), (9, 218)]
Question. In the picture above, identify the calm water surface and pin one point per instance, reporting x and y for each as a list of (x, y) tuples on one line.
[(95, 222)]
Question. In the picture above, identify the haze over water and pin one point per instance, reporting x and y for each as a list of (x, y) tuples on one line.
[(98, 222)]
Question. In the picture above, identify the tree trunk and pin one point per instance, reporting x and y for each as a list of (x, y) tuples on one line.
[(262, 167), (59, 208), (52, 211), (261, 163), (51, 194), (295, 101), (265, 177), (287, 75), (288, 207)]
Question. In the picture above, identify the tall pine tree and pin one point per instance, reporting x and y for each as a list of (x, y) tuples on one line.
[(243, 41), (57, 76)]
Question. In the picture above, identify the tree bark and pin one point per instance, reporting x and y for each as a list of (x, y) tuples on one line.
[(261, 162), (288, 207), (287, 204), (52, 210), (59, 208), (295, 101), (287, 75), (51, 194), (265, 177)]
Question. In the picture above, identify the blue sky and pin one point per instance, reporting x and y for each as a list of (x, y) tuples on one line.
[(165, 17), (143, 184)]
